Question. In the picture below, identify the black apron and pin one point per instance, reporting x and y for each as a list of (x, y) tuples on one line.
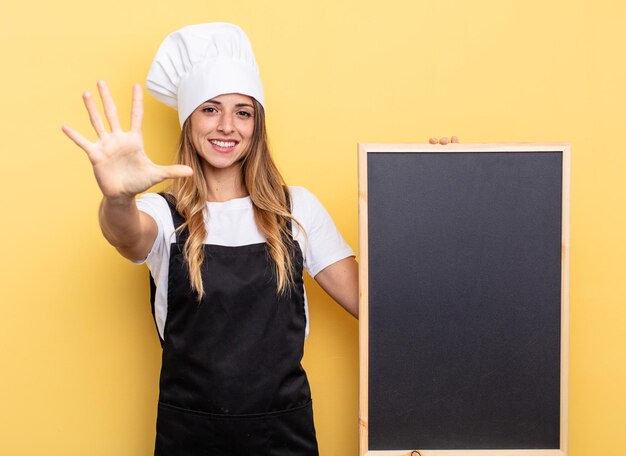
[(231, 379)]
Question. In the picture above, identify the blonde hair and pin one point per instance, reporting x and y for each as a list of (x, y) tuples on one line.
[(268, 194)]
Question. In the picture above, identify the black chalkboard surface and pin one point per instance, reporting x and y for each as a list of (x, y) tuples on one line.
[(464, 278)]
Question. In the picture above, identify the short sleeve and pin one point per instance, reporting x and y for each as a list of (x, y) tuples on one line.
[(156, 207), (321, 242)]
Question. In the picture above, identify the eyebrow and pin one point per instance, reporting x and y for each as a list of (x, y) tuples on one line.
[(238, 105)]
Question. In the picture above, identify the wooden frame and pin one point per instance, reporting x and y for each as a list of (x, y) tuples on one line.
[(363, 151)]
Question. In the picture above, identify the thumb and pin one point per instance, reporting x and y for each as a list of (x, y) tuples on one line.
[(175, 171)]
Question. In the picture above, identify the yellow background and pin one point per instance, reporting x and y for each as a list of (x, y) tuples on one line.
[(79, 353)]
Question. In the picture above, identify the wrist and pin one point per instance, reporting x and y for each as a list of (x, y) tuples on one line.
[(119, 201)]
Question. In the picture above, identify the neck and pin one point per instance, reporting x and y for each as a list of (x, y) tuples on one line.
[(224, 184)]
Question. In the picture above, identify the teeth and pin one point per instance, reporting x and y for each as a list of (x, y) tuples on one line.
[(223, 143)]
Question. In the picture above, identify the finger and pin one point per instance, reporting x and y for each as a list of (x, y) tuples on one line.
[(109, 106), (454, 139), (433, 140), (443, 141), (175, 171), (80, 141), (94, 116), (136, 111)]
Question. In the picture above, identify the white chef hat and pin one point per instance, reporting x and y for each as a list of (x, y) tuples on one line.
[(199, 62)]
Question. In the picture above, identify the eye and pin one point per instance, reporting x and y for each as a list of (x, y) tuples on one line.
[(209, 109), (245, 114)]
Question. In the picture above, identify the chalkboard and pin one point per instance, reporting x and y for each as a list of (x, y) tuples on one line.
[(464, 253)]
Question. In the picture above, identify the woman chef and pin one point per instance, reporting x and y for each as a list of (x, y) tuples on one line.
[(226, 247)]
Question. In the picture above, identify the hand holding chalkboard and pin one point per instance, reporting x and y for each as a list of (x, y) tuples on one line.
[(443, 141)]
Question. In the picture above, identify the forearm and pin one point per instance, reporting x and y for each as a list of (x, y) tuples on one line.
[(126, 228), (341, 281)]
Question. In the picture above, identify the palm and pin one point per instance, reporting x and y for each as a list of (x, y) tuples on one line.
[(121, 166), (119, 162)]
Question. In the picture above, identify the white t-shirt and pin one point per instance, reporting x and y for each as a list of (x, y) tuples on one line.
[(232, 224)]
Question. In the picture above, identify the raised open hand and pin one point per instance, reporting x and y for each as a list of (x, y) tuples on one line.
[(119, 162)]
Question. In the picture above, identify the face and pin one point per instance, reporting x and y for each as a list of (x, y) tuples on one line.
[(222, 128)]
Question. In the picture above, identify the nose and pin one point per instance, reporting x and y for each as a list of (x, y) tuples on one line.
[(225, 124)]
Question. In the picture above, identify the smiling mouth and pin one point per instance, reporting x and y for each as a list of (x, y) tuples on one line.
[(224, 144)]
